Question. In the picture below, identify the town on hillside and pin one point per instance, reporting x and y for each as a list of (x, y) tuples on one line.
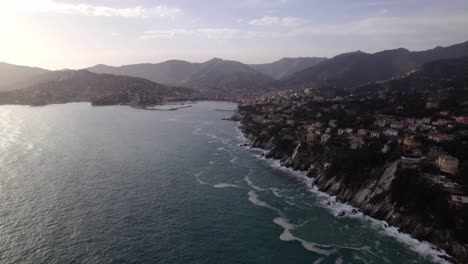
[(431, 140), (398, 153)]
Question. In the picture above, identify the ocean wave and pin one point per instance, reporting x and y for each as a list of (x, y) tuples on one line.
[(255, 199), (340, 210), (252, 185), (226, 185), (276, 192), (288, 236), (197, 176), (233, 160)]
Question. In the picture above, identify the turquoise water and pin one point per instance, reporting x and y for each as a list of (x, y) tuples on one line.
[(82, 184)]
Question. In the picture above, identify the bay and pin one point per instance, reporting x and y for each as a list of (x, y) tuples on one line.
[(83, 184)]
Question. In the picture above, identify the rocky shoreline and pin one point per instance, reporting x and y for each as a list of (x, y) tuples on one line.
[(374, 196)]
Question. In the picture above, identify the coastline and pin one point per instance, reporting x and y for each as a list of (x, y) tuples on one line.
[(341, 209)]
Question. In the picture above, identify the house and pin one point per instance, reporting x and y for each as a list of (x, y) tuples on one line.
[(325, 138), (311, 137), (410, 162), (440, 137), (341, 131), (427, 120), (410, 142), (410, 120), (290, 122), (447, 164), (427, 127), (444, 113), (434, 152), (419, 122), (362, 132), (380, 123), (431, 104), (417, 152), (318, 124), (440, 122), (391, 133), (397, 125), (356, 142), (413, 127), (375, 134), (458, 200), (462, 120)]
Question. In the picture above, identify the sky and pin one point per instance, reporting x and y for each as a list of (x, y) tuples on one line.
[(73, 34)]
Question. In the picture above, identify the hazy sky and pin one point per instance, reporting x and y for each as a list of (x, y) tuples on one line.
[(74, 34)]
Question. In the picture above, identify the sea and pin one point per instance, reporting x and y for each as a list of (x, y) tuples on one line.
[(115, 184)]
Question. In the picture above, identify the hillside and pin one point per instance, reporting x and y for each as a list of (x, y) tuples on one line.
[(286, 66), (10, 75), (173, 72), (216, 74), (444, 76), (99, 89), (358, 68)]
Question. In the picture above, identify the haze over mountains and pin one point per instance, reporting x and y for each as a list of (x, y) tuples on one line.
[(342, 71), (213, 74), (99, 89), (11, 74), (179, 72), (358, 68), (286, 66), (214, 79)]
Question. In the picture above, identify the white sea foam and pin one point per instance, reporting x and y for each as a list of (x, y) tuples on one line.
[(233, 160), (226, 185), (339, 260), (318, 261), (252, 185), (253, 198), (339, 209), (197, 176), (288, 236), (275, 191), (196, 130)]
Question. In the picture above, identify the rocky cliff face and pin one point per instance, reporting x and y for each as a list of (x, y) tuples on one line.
[(379, 186)]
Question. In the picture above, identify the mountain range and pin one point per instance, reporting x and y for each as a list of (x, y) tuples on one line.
[(358, 68), (286, 66), (11, 75), (214, 74), (214, 79), (100, 89)]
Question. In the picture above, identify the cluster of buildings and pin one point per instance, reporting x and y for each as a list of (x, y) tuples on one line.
[(358, 122)]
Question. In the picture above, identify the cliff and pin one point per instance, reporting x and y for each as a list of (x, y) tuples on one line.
[(379, 184)]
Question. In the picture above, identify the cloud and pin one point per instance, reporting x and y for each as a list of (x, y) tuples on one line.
[(261, 4), (380, 27), (389, 26), (207, 33), (51, 6), (278, 21)]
